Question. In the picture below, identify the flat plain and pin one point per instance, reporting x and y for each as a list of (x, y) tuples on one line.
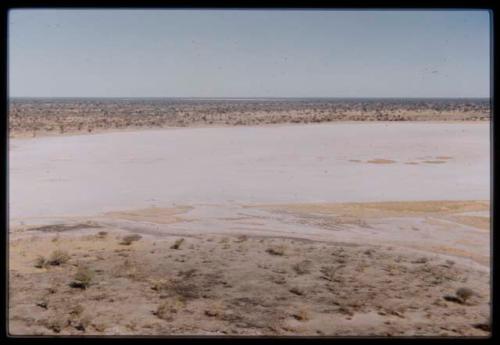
[(339, 228)]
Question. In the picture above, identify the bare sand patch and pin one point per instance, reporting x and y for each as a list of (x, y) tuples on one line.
[(479, 222), (425, 226), (434, 162), (381, 161), (154, 214), (460, 252), (385, 209)]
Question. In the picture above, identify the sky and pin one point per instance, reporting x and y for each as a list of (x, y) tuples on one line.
[(248, 53)]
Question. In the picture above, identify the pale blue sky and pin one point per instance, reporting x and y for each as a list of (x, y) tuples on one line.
[(248, 53)]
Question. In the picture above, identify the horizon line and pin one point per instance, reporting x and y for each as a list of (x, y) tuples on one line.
[(245, 98)]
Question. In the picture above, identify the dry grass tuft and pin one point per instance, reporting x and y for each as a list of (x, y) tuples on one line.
[(159, 285), (99, 327), (329, 272), (464, 293), (303, 267), (185, 290), (41, 262), (76, 310), (301, 315), (167, 308), (55, 324), (58, 257), (215, 309), (82, 323), (82, 278)]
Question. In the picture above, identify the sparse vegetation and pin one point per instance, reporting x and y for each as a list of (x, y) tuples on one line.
[(484, 326), (159, 284), (464, 293), (57, 228), (40, 262), (59, 117), (185, 289), (215, 309), (241, 293), (81, 323), (127, 240), (77, 310), (55, 324), (177, 244), (99, 327), (82, 278), (58, 257), (329, 272), (188, 273), (167, 308), (301, 315), (297, 291), (102, 234), (303, 267), (42, 304), (241, 238), (276, 250)]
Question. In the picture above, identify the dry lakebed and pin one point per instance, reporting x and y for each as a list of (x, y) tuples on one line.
[(336, 229)]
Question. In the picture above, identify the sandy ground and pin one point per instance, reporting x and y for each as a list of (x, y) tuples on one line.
[(327, 269), (272, 244)]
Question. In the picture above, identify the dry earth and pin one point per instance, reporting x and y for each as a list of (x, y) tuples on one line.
[(97, 245), (230, 280)]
